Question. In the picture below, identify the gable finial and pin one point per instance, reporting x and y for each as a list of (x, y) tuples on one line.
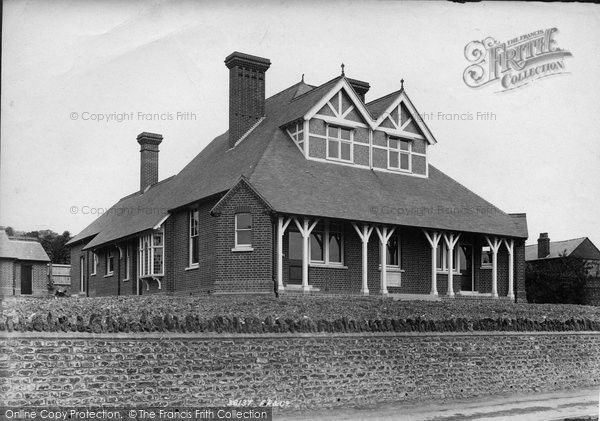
[(402, 84), (343, 74), (302, 77)]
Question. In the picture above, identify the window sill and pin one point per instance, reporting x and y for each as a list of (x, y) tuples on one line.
[(242, 249), (475, 293), (391, 269), (445, 272), (399, 170), (160, 275), (327, 265), (295, 287), (126, 280), (349, 161), (486, 267), (92, 274), (192, 267), (108, 275)]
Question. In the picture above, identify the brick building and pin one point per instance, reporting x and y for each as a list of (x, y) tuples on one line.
[(312, 190), (23, 266)]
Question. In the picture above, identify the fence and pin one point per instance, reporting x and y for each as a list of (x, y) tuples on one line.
[(59, 277)]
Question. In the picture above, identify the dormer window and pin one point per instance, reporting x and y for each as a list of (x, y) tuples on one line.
[(339, 143), (296, 132), (399, 151)]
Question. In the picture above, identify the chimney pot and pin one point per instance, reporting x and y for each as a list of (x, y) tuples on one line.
[(361, 88), (246, 92), (148, 158), (543, 245)]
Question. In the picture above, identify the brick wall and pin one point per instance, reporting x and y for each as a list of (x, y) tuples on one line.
[(415, 259), (308, 370), (519, 287), (10, 272), (243, 271), (183, 279), (101, 284), (6, 277)]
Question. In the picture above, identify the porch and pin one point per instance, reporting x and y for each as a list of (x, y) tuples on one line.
[(320, 255)]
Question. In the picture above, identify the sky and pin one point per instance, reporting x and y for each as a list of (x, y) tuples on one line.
[(67, 63)]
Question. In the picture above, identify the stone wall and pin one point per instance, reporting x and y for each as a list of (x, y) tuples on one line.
[(307, 370)]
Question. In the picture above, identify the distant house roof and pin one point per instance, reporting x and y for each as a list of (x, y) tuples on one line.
[(577, 247), (270, 161), (21, 249)]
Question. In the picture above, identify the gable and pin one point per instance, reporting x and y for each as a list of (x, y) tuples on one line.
[(400, 120), (341, 107), (341, 104), (586, 250)]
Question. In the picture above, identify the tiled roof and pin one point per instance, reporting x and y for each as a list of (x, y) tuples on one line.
[(557, 249), (270, 161), (21, 249), (378, 106)]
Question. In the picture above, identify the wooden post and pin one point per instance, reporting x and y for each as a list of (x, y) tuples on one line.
[(282, 224), (494, 244), (451, 240), (364, 236), (510, 246), (434, 240), (305, 229), (384, 237)]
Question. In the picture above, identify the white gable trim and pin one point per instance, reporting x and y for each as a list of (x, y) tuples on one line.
[(356, 102), (403, 98)]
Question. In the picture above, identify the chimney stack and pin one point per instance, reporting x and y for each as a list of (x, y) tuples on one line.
[(246, 93), (149, 159), (361, 88), (543, 245)]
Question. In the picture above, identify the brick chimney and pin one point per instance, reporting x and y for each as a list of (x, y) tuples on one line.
[(246, 92), (543, 245), (361, 88), (149, 158)]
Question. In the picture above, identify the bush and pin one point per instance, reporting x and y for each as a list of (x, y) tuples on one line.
[(560, 280), (267, 314)]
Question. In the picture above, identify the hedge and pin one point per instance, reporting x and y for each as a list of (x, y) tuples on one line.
[(260, 314)]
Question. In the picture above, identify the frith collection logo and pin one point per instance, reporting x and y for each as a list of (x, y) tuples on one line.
[(516, 62)]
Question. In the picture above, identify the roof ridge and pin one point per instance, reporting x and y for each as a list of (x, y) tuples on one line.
[(399, 91), (285, 90), (571, 239), (317, 87)]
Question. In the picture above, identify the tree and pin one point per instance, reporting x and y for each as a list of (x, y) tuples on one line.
[(9, 231), (54, 245), (560, 280)]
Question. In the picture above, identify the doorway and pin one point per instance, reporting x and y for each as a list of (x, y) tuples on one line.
[(26, 279), (295, 258), (466, 268)]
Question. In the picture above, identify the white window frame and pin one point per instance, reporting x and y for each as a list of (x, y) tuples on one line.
[(400, 152), (339, 140), (399, 265), (127, 264), (295, 131), (110, 256), (326, 258), (238, 246), (81, 274), (491, 263), (148, 253), (444, 259), (193, 232), (94, 263)]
